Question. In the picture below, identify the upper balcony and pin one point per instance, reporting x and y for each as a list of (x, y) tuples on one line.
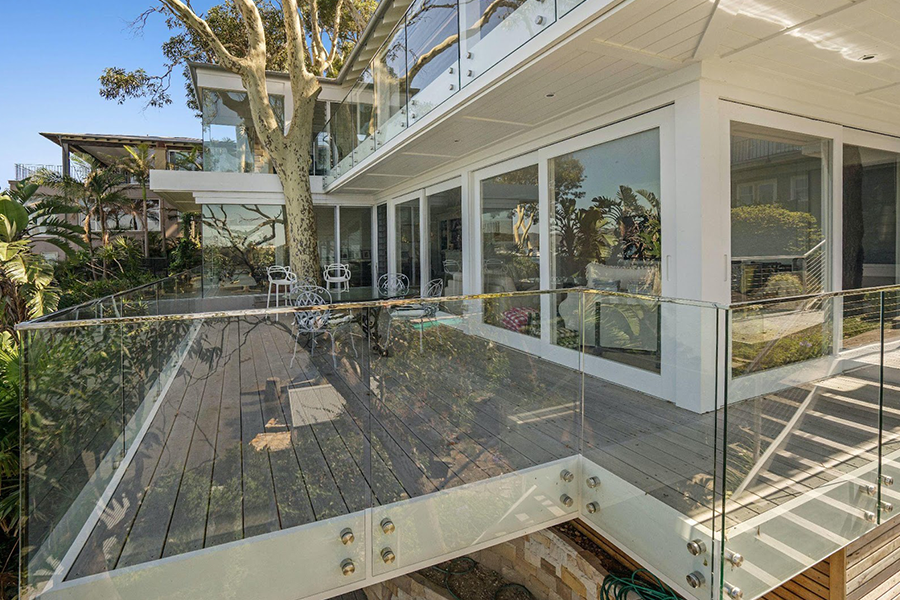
[(186, 447)]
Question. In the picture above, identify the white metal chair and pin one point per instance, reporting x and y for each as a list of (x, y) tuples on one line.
[(280, 278), (420, 312), (317, 322), (393, 284), (337, 274)]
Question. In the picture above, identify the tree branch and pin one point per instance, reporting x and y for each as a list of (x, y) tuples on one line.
[(190, 18), (335, 32)]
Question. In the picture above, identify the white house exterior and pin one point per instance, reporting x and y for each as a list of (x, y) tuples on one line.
[(622, 191)]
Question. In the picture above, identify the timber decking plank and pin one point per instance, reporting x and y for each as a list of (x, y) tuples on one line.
[(225, 519), (291, 492), (187, 527), (104, 545), (148, 533), (327, 495), (260, 507)]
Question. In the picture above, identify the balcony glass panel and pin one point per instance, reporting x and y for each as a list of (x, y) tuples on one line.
[(492, 29), (343, 127), (655, 463), (389, 69), (408, 241), (356, 244), (445, 240), (505, 411), (606, 234), (239, 243), (363, 98), (511, 249), (803, 434), (230, 142), (780, 213), (432, 55)]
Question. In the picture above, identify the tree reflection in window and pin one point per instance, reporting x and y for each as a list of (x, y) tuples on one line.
[(606, 234), (239, 243)]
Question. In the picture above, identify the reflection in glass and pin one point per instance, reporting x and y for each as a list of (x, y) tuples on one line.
[(230, 142), (325, 235), (356, 244), (445, 240), (606, 235), (778, 213), (511, 249), (363, 116), (239, 243), (871, 196), (432, 55), (389, 69), (494, 28), (381, 222), (407, 242)]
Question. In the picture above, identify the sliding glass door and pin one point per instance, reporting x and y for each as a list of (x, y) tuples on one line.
[(408, 241), (511, 249), (445, 236), (355, 234)]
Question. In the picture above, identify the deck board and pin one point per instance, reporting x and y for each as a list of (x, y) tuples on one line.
[(246, 443)]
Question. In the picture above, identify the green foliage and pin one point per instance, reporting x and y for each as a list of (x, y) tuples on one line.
[(186, 46), (771, 230), (185, 254), (782, 285), (125, 271)]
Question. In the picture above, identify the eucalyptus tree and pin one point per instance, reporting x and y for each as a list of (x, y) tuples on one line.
[(306, 39)]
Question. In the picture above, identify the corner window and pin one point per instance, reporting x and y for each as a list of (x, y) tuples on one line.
[(230, 142), (779, 213)]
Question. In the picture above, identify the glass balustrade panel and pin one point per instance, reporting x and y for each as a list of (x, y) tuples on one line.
[(491, 30), (802, 434), (432, 55), (389, 70), (651, 466)]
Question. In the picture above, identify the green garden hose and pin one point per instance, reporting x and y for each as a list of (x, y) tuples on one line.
[(616, 587), (463, 565)]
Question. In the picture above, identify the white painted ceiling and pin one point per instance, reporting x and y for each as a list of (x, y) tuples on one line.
[(819, 42)]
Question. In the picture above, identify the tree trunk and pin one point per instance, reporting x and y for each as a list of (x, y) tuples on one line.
[(293, 170)]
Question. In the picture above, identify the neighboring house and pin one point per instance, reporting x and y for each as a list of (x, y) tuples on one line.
[(618, 195), (107, 150)]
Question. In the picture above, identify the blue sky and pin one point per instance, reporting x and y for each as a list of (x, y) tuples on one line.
[(52, 53)]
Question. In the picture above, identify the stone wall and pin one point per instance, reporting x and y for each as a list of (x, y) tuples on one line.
[(547, 563)]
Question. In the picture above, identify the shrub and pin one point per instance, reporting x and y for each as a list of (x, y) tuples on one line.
[(782, 285), (772, 230)]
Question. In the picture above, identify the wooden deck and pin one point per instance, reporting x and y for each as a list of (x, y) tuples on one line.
[(245, 443)]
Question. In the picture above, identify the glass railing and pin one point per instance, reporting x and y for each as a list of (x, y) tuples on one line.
[(435, 50), (210, 454)]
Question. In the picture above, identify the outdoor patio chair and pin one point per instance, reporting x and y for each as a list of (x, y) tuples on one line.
[(280, 278), (393, 284), (319, 322), (420, 312), (337, 274)]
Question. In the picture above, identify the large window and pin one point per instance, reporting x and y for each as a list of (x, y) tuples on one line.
[(445, 239), (871, 197), (606, 234), (325, 235), (779, 213), (356, 243), (230, 142), (239, 243), (511, 249), (408, 240)]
